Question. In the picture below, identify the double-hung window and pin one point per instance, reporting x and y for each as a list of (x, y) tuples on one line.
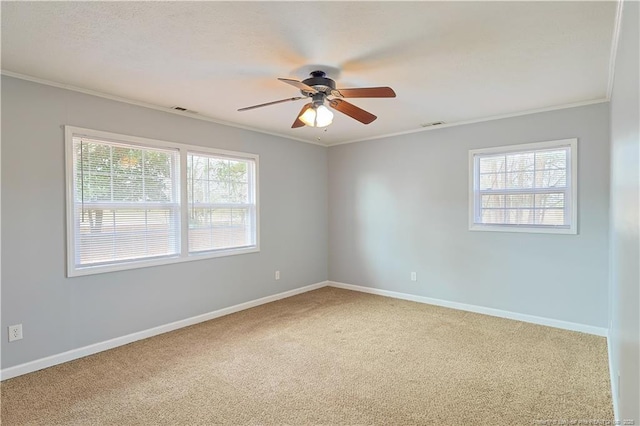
[(524, 188), (134, 202), (222, 211)]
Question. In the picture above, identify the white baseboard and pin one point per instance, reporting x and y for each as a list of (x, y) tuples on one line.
[(60, 358), (589, 329), (613, 380)]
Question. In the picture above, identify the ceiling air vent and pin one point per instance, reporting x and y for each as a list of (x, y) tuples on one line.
[(433, 123), (182, 109)]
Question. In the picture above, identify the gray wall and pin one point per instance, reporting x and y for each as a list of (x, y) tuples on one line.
[(59, 314), (401, 204), (397, 205), (625, 186)]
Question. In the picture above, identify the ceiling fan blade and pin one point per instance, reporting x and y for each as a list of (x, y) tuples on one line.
[(272, 103), (300, 85), (366, 92), (352, 111), (298, 122)]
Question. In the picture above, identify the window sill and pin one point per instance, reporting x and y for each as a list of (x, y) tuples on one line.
[(101, 269), (523, 228)]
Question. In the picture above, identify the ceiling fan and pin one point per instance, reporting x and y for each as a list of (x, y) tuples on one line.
[(319, 87)]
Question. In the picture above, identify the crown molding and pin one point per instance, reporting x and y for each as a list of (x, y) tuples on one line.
[(479, 120), (148, 105), (326, 145)]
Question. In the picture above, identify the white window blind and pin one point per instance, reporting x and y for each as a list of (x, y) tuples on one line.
[(222, 202), (134, 202), (124, 201), (525, 188)]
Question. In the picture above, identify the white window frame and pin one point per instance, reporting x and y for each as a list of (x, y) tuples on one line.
[(253, 195), (183, 149), (571, 204)]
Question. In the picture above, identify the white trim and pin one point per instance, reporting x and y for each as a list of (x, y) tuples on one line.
[(326, 145), (532, 146), (146, 142), (521, 228), (572, 183), (39, 364), (184, 201), (612, 379), (549, 322), (137, 264), (614, 47), (612, 72), (148, 105), (70, 220), (477, 120), (183, 150)]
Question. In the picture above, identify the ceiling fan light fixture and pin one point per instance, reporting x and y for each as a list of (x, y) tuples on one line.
[(317, 116), (324, 116)]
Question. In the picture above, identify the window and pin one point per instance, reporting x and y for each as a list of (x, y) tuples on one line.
[(222, 213), (524, 188), (134, 202)]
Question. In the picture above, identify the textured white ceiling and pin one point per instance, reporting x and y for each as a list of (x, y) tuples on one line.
[(447, 61)]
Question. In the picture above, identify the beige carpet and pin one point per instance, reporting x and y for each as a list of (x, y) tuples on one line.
[(329, 357)]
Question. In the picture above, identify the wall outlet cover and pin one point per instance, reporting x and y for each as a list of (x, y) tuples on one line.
[(15, 332)]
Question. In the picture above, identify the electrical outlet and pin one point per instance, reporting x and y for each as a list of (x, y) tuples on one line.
[(15, 332), (277, 275), (414, 276)]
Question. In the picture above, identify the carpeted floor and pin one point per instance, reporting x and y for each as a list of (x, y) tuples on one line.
[(329, 356)]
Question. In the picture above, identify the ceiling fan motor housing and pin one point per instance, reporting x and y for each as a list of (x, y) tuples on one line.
[(320, 82)]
